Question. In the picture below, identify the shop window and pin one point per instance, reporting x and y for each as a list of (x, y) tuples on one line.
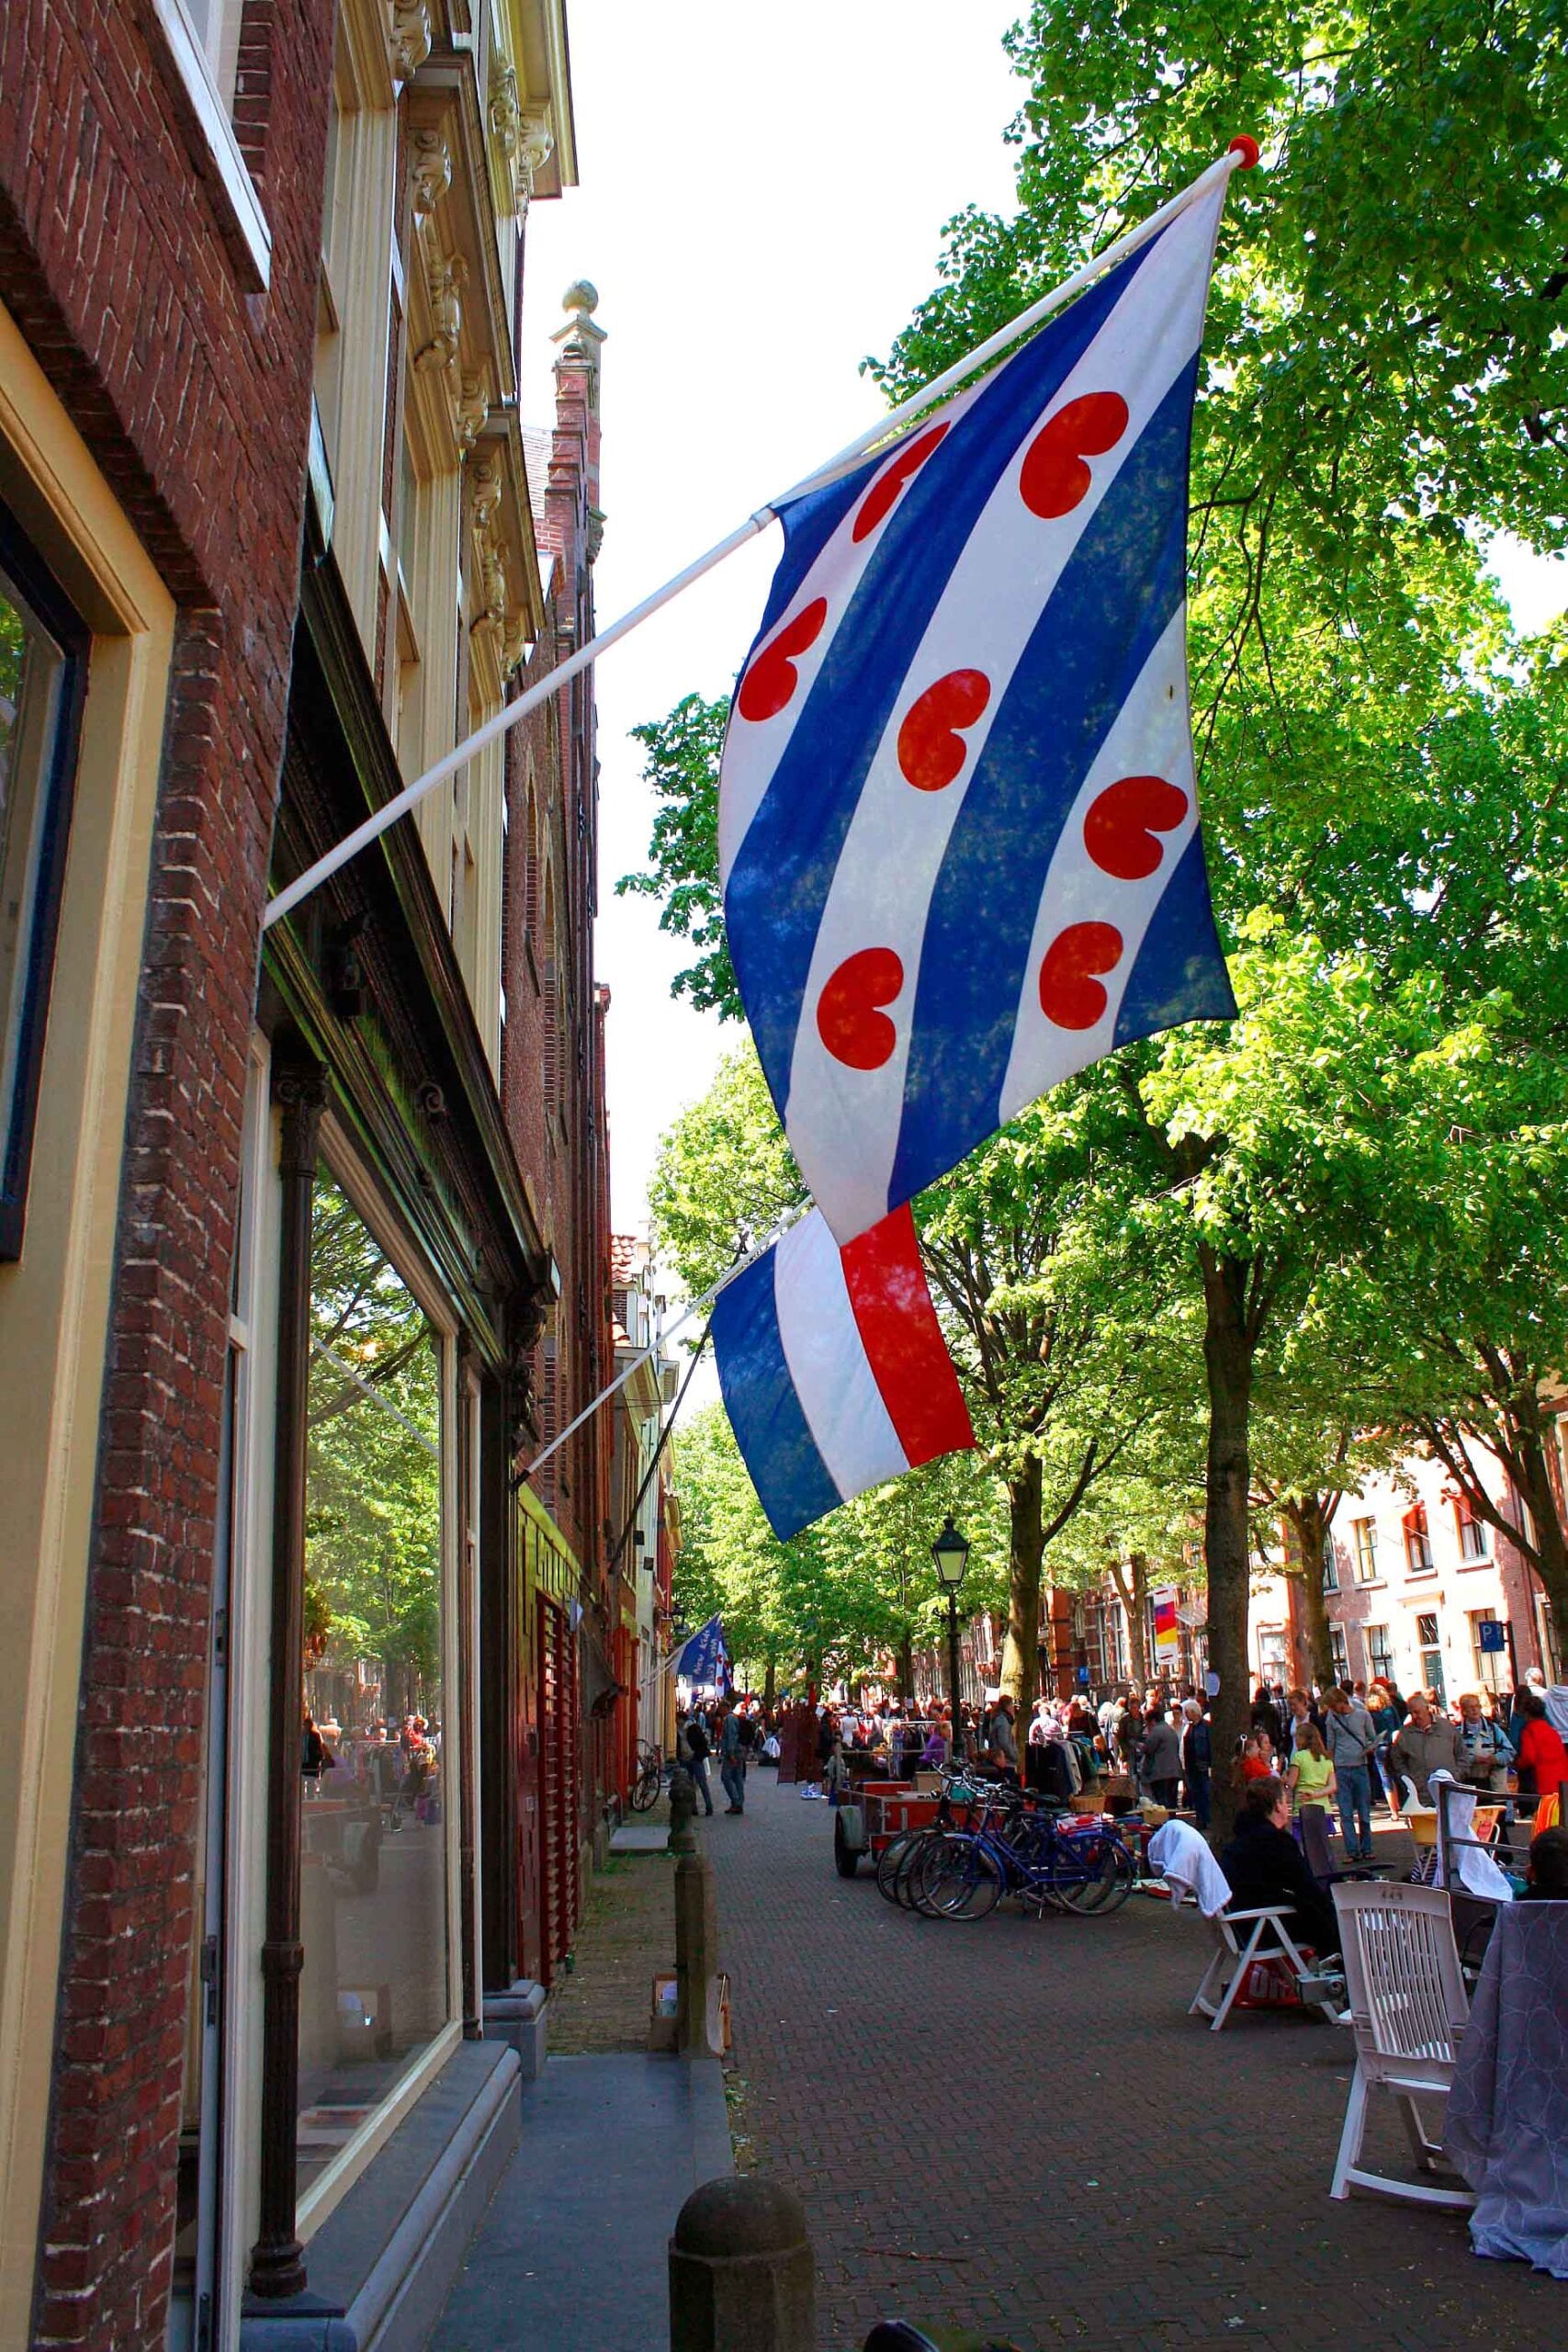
[(1364, 1536), (1338, 1655), (375, 1823), (43, 664), (1417, 1541)]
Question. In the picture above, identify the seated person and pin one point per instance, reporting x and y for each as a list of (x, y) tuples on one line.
[(1547, 1868), (1266, 1870)]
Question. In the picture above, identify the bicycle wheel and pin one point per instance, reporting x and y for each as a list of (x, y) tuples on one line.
[(1106, 1882), (957, 1878), (888, 1861), (645, 1790), (906, 1879)]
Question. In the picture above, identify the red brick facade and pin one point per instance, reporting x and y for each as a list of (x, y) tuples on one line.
[(127, 275), (552, 1066), (553, 1097)]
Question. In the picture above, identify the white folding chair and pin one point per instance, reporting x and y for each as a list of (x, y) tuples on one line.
[(1224, 1981), (1408, 2008), (1230, 1964)]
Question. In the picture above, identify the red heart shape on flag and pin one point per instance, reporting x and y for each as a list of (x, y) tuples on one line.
[(882, 494), (773, 677), (931, 750), (1122, 821), (850, 1021), (1055, 476), (1068, 996)]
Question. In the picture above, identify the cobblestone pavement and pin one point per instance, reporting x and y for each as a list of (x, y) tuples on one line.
[(1016, 2126), (627, 1933)]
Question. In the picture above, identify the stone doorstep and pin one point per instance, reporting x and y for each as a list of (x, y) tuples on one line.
[(382, 2263), (517, 2015)]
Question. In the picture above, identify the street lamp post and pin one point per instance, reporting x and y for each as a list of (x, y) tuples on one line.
[(950, 1554)]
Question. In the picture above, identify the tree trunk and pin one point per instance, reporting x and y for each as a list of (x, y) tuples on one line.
[(1133, 1591), (1551, 1550), (907, 1667), (1308, 1523), (1227, 1359), (1020, 1655), (771, 1686)]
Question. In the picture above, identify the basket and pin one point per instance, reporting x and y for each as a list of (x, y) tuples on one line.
[(1095, 1804)]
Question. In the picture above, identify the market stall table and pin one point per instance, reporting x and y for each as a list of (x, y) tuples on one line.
[(1506, 2129)]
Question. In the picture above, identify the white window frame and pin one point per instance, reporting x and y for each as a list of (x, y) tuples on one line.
[(210, 110)]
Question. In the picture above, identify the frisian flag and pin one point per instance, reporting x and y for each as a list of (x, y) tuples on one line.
[(834, 1370), (958, 825)]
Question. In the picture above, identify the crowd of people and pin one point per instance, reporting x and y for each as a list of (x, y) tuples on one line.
[(1352, 1747)]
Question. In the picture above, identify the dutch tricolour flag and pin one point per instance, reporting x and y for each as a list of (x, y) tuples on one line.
[(958, 829), (835, 1373)]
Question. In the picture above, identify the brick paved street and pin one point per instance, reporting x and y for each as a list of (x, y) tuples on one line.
[(1028, 2102)]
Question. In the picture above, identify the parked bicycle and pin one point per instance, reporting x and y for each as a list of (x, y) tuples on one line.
[(994, 1841), (650, 1777)]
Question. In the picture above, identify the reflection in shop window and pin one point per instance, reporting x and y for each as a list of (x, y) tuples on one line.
[(374, 1875), (42, 671)]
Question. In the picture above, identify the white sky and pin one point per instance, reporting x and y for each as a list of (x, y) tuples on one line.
[(764, 194)]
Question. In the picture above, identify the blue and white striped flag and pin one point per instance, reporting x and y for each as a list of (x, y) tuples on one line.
[(958, 826)]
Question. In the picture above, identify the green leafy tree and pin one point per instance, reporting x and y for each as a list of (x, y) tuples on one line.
[(682, 770), (849, 1590)]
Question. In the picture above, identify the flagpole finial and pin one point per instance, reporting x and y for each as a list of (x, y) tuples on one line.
[(1246, 148)]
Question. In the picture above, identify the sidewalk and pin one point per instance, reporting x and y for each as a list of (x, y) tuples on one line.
[(571, 2255)]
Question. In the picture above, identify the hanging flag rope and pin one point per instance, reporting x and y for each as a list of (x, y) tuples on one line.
[(1244, 153)]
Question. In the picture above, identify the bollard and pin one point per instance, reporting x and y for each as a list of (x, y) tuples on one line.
[(699, 2030), (682, 1837), (741, 2277)]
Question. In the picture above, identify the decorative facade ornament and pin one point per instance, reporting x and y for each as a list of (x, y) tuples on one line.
[(485, 480), (505, 115), (514, 643), (410, 37), (492, 615), (535, 145), (489, 569), (473, 407), (430, 171), (595, 533), (445, 281)]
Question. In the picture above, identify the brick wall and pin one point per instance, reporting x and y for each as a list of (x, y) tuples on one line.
[(193, 396)]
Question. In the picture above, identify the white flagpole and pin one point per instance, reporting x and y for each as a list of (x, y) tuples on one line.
[(693, 1308), (886, 427)]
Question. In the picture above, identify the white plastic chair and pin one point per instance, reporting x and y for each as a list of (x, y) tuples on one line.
[(1408, 2010)]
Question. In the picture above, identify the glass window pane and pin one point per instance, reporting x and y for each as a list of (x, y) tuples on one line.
[(373, 1844)]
